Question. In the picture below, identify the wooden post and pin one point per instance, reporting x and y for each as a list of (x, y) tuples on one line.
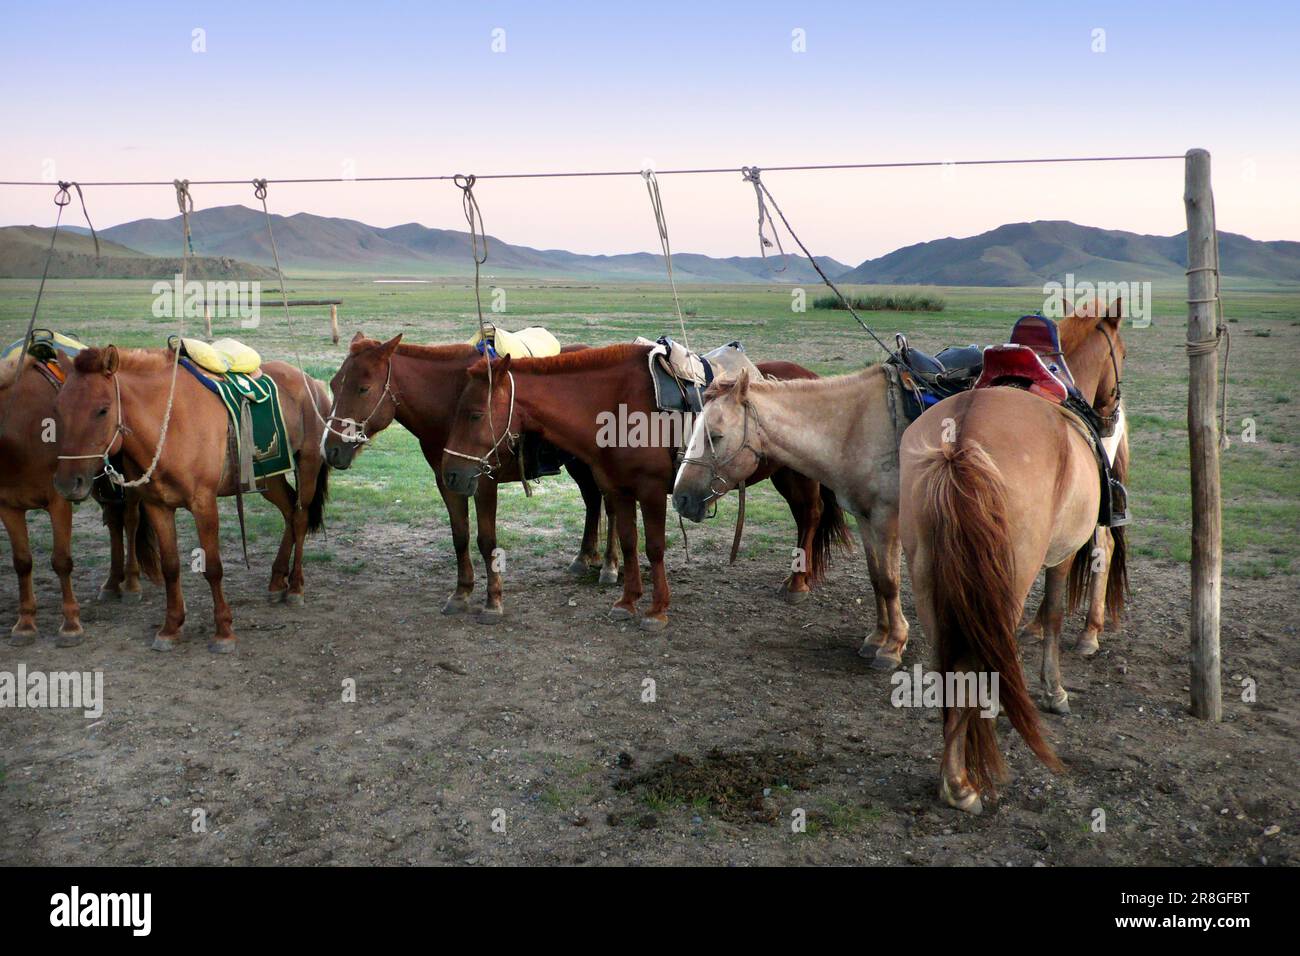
[(1203, 438), (334, 323), (207, 320)]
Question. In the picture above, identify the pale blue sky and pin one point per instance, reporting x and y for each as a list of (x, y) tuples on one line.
[(109, 91)]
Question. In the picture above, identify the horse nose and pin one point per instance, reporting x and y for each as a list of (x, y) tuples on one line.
[(334, 454), (461, 481), (74, 489), (687, 506)]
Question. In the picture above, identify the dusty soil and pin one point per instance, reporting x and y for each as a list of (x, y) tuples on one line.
[(539, 723)]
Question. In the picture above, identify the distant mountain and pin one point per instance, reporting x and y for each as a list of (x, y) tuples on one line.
[(23, 250), (319, 243), (1032, 253)]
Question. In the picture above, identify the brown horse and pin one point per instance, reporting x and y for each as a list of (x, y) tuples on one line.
[(114, 402), (27, 463), (418, 386), (995, 484), (572, 400)]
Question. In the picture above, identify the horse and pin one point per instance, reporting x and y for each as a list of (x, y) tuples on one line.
[(27, 463), (1089, 640), (838, 431), (417, 386), (114, 402), (994, 484), (574, 401)]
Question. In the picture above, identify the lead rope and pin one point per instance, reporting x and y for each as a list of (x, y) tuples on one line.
[(1221, 333), (185, 202), (61, 199), (752, 174)]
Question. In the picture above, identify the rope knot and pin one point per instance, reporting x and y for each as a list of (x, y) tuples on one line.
[(259, 188), (751, 174), (64, 195)]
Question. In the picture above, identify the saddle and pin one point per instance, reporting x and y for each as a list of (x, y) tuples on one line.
[(532, 342), (45, 348), (681, 376)]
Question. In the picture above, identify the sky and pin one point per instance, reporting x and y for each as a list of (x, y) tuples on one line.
[(234, 90)]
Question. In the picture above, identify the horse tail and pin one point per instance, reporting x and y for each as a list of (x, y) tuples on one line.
[(832, 532), (146, 546), (976, 609), (316, 510)]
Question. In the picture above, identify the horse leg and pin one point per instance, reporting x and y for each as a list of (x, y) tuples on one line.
[(654, 513), (131, 590), (15, 522), (458, 516), (804, 498), (1033, 631), (1055, 699), (310, 464), (1090, 639), (955, 787), (625, 518), (71, 633), (609, 567), (206, 521), (280, 588), (114, 518), (592, 500), (873, 642), (884, 562), (163, 520), (485, 515)]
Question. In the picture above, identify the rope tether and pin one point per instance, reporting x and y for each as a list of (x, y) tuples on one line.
[(752, 174), (1221, 333)]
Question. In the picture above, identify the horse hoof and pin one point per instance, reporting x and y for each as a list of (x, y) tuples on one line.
[(70, 638), (794, 597), (609, 575), (1087, 646), (165, 643), (295, 600), (1031, 636), (617, 613), (132, 597), (456, 604), (969, 802), (108, 594), (882, 661), (490, 615), (276, 597), (578, 568), (1060, 707), (22, 638), (226, 645), (653, 623)]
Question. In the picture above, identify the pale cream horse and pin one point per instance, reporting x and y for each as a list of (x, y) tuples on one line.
[(995, 484), (838, 431)]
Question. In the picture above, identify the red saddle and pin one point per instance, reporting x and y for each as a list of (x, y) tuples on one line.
[(1032, 360)]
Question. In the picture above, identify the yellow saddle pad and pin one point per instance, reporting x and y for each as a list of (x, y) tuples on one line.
[(532, 342), (222, 356)]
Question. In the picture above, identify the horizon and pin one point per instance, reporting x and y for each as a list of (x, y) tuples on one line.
[(591, 89)]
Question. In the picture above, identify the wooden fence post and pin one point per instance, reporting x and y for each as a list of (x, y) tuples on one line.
[(1203, 437), (207, 320), (334, 323)]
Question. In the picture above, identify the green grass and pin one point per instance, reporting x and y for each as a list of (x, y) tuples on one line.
[(391, 484), (884, 302)]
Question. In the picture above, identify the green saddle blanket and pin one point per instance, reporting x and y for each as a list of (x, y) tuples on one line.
[(256, 419)]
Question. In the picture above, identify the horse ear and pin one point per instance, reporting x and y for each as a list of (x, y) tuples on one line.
[(65, 363), (741, 389), (1115, 313), (502, 365), (111, 359), (389, 347), (359, 337)]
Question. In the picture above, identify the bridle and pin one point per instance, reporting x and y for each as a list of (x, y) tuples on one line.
[(120, 431), (484, 462), (354, 432), (1108, 422), (715, 465)]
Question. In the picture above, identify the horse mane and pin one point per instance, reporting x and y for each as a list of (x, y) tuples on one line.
[(456, 350), (581, 361), (91, 360), (724, 386)]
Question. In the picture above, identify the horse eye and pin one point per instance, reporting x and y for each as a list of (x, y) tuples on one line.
[(102, 412), (475, 416), (363, 389), (715, 437)]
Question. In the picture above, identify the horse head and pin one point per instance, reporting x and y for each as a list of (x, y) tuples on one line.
[(725, 448), (90, 421), (365, 401), (1095, 350), (484, 423)]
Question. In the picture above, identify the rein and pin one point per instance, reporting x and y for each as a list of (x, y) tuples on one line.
[(484, 462), (354, 432), (715, 465), (1108, 422)]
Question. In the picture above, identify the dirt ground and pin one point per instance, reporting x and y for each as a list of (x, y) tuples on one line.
[(539, 725)]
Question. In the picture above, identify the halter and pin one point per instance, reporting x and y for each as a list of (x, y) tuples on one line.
[(120, 431), (1108, 422), (484, 462), (354, 432), (715, 465)]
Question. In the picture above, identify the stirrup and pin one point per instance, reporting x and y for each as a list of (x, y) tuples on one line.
[(1118, 504)]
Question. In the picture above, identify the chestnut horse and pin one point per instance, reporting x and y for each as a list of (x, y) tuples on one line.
[(418, 386), (565, 398), (114, 402), (27, 463), (994, 484)]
